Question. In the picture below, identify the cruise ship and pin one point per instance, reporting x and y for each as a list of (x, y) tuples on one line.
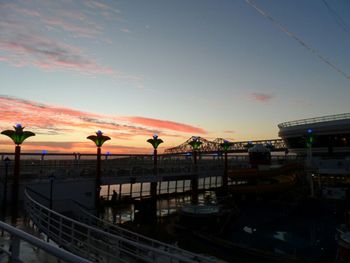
[(329, 134), (58, 191)]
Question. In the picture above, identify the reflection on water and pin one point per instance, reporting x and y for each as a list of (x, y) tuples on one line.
[(305, 234), (280, 235), (143, 189), (165, 207)]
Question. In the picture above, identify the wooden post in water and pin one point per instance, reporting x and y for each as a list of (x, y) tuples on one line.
[(195, 143), (225, 146)]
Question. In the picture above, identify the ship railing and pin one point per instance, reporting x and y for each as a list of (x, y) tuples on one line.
[(14, 248), (336, 117), (116, 230), (95, 244), (109, 171)]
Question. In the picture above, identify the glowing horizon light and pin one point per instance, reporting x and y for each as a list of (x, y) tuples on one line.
[(309, 131), (44, 152)]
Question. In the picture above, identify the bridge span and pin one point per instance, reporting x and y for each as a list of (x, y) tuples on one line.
[(275, 145)]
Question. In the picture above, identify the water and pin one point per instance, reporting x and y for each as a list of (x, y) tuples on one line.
[(134, 190), (307, 232)]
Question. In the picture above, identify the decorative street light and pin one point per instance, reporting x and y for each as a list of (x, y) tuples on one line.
[(309, 142), (107, 154), (43, 153), (51, 178), (99, 140), (195, 144), (155, 141), (4, 200), (225, 146), (18, 136)]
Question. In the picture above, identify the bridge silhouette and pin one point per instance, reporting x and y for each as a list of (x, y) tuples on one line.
[(275, 145)]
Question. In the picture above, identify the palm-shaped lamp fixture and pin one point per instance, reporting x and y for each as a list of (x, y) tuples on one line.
[(18, 136), (99, 139), (226, 145), (155, 141), (195, 143)]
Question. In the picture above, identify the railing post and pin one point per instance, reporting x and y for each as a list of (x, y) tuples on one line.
[(15, 249)]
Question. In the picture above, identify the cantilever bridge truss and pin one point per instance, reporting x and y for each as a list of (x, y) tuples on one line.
[(207, 146)]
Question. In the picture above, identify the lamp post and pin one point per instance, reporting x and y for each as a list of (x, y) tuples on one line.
[(18, 136), (155, 141), (225, 146), (99, 140), (51, 178), (4, 200), (43, 153), (309, 142), (195, 144)]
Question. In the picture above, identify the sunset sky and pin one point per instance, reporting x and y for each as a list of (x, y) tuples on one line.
[(232, 69)]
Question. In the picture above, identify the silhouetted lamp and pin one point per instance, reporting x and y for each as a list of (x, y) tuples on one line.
[(225, 146), (18, 136), (99, 139), (195, 143), (155, 141), (309, 142)]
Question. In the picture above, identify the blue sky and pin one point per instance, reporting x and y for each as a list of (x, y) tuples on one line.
[(219, 66)]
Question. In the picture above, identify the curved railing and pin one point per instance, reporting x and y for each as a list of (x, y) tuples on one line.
[(336, 117), (90, 219), (92, 243), (17, 235)]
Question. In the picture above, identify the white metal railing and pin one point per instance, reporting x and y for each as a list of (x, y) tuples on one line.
[(343, 116), (90, 219), (92, 243), (16, 236)]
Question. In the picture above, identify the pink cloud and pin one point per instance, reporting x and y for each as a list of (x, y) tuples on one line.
[(44, 53), (70, 147), (24, 43), (55, 120), (170, 125), (81, 31), (261, 97)]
